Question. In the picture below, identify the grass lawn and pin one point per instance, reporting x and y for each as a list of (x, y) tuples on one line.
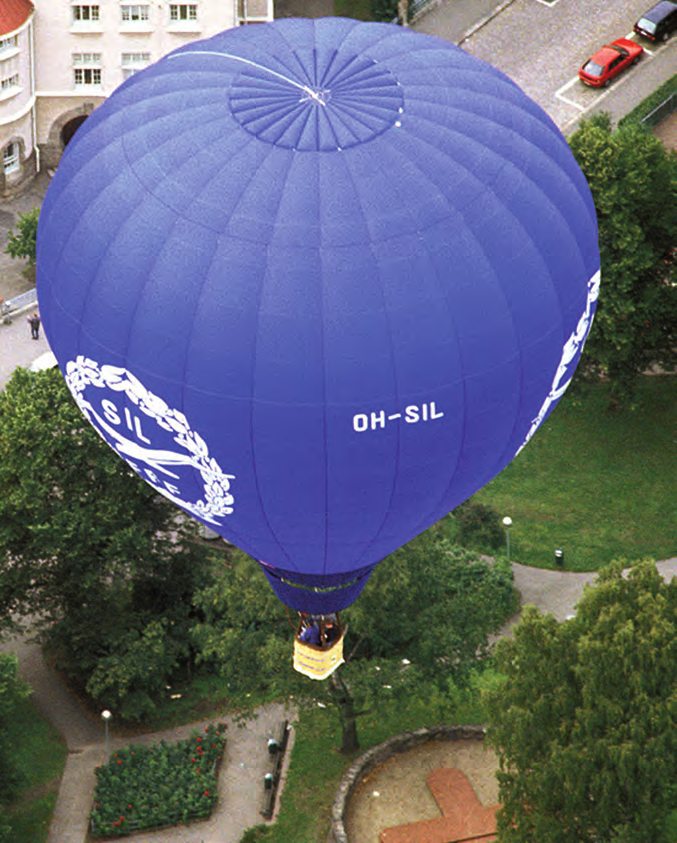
[(599, 485), (41, 757), (357, 9)]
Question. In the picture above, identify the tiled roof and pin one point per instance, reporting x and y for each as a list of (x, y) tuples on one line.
[(13, 13)]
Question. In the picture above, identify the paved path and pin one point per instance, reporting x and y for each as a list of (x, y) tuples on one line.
[(558, 592)]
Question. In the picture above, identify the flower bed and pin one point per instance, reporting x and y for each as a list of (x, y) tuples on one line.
[(158, 786)]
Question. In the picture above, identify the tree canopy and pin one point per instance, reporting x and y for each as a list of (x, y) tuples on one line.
[(424, 619), (585, 717), (21, 243), (633, 179), (107, 564), (12, 694)]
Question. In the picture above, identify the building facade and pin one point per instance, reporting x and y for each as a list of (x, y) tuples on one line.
[(60, 59)]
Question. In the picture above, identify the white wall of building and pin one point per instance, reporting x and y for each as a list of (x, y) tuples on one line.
[(17, 112), (72, 55)]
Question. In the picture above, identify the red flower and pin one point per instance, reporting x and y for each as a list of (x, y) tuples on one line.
[(119, 761), (198, 769), (199, 739), (122, 819), (206, 728), (206, 793), (192, 759), (130, 807)]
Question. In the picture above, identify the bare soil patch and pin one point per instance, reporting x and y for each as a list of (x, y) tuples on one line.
[(397, 793)]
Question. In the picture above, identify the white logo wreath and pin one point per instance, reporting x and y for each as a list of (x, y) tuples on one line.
[(218, 500)]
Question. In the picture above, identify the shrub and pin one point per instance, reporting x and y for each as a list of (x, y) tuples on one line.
[(383, 10), (479, 526), (158, 786)]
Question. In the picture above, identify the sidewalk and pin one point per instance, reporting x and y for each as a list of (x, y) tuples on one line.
[(558, 592), (16, 346)]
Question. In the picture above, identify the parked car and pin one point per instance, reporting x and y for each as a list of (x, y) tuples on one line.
[(609, 61), (659, 22)]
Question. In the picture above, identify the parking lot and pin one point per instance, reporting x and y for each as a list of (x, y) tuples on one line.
[(541, 45)]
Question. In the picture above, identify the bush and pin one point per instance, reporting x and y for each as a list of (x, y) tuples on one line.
[(383, 10), (639, 112), (158, 786), (21, 243), (479, 526), (255, 834), (13, 692)]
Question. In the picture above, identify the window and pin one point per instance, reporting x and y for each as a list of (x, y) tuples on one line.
[(87, 76), (85, 13), (134, 13), (183, 11), (9, 77), (131, 62), (80, 59), (85, 68), (10, 157), (10, 43), (10, 81)]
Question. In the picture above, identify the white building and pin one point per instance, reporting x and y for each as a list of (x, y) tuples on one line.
[(59, 59)]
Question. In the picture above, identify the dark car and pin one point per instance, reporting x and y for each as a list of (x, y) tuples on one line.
[(659, 22)]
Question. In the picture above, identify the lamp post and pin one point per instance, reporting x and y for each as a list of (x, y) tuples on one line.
[(106, 715), (507, 521)]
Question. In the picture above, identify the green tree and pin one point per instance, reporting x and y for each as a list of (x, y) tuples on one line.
[(424, 618), (21, 243), (478, 526), (87, 546), (633, 179), (12, 694), (585, 718), (383, 10)]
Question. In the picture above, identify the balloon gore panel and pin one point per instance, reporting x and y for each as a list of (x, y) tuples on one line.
[(318, 282)]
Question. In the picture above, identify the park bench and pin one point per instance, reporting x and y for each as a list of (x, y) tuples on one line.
[(276, 749), (18, 304)]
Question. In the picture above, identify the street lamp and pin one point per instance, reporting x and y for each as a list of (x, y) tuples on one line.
[(507, 521), (106, 717)]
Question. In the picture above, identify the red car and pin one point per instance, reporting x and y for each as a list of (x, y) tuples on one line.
[(608, 62)]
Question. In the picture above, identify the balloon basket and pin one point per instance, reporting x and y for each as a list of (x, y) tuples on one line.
[(318, 662)]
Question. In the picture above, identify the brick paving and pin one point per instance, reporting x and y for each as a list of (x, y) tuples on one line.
[(463, 817)]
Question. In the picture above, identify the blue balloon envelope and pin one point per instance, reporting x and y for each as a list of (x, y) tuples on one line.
[(318, 282)]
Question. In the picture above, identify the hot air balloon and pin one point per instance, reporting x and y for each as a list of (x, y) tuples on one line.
[(318, 281)]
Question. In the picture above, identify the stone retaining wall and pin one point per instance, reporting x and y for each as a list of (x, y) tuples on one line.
[(377, 755)]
